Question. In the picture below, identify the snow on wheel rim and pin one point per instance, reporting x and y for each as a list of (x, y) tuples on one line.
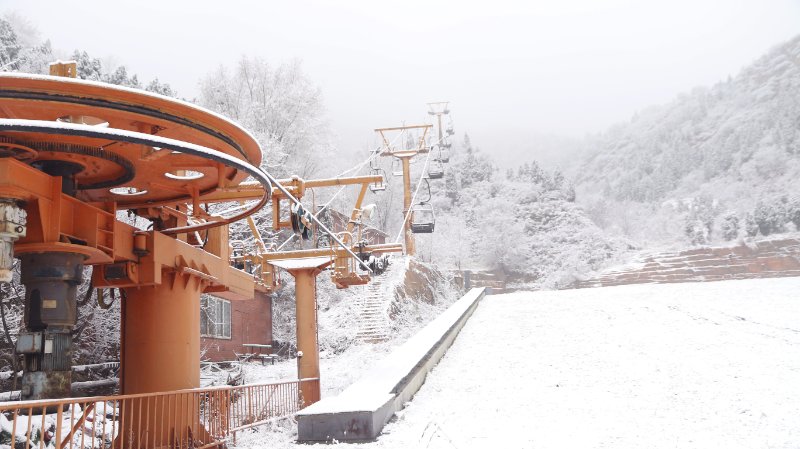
[(184, 175), (120, 135), (127, 191)]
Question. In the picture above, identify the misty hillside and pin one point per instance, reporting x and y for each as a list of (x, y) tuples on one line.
[(713, 158), (522, 224)]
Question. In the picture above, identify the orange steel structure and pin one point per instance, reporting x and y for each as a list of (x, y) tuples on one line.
[(306, 265), (76, 153), (99, 145), (73, 154), (405, 155), (344, 273)]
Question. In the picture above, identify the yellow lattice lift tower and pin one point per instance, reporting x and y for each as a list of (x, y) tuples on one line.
[(405, 154)]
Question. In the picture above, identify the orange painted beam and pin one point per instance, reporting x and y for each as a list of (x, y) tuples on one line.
[(254, 191), (58, 222)]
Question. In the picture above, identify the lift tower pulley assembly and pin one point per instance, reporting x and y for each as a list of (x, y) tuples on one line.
[(405, 155), (72, 154)]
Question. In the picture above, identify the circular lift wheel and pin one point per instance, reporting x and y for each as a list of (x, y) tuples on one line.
[(130, 147), (117, 135)]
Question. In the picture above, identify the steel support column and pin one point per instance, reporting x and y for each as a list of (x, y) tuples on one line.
[(307, 337), (409, 236), (162, 336)]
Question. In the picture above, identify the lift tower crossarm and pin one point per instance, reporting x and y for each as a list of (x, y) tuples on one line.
[(405, 156), (332, 252), (388, 151), (439, 108), (252, 190), (265, 274), (316, 220), (403, 128)]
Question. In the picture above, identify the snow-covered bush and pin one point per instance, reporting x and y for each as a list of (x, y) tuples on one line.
[(729, 226), (770, 216), (750, 225), (696, 231)]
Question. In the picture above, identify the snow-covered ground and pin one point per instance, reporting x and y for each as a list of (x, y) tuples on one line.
[(696, 365)]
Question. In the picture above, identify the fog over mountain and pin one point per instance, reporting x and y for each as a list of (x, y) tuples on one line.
[(733, 147), (512, 70)]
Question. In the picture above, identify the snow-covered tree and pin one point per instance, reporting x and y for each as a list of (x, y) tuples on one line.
[(279, 105), (120, 77), (729, 226), (9, 46), (88, 68), (160, 88)]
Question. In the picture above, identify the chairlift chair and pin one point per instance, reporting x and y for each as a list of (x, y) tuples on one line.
[(423, 219), (436, 171), (444, 154), (379, 186), (396, 172)]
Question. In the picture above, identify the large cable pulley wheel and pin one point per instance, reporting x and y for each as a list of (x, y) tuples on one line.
[(137, 150), (92, 159), (301, 221), (119, 135)]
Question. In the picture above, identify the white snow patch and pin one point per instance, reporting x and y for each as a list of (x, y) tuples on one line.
[(695, 365)]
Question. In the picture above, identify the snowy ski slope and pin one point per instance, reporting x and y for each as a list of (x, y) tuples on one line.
[(700, 365), (693, 365)]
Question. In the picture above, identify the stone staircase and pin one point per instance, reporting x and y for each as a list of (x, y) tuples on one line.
[(764, 259), (372, 306)]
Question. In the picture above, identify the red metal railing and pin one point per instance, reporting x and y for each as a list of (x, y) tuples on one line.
[(199, 418)]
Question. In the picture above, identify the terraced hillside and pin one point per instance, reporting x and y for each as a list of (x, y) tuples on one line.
[(765, 259)]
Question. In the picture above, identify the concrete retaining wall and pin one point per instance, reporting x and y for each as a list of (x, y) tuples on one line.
[(360, 412)]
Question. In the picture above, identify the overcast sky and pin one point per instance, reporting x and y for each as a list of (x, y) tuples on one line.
[(510, 68)]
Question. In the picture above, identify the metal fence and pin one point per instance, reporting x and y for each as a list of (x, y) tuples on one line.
[(198, 418)]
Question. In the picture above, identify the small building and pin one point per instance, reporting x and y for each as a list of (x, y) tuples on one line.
[(227, 325)]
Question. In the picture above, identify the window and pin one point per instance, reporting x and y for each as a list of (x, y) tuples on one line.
[(215, 317)]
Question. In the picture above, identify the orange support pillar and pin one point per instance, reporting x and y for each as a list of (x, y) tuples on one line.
[(409, 236), (307, 341), (161, 340)]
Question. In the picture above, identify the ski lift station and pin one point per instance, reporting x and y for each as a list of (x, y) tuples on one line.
[(78, 159), (164, 207)]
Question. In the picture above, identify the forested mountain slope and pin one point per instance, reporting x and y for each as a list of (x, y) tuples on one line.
[(523, 223), (728, 153)]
